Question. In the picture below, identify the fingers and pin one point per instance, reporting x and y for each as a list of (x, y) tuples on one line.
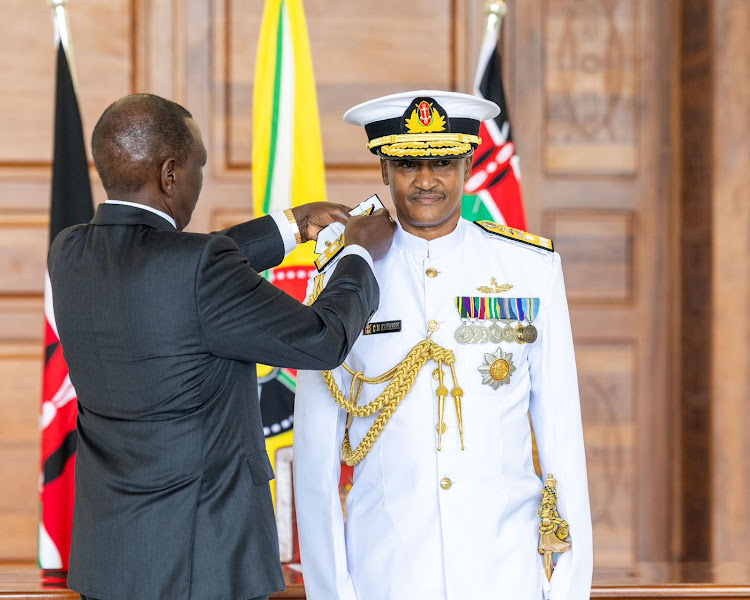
[(339, 212)]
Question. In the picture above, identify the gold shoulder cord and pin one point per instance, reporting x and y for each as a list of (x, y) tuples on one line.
[(402, 378)]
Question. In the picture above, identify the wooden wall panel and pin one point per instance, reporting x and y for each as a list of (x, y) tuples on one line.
[(103, 63), (20, 372), (23, 252), (591, 108), (591, 86), (598, 254), (605, 373), (730, 368), (358, 54)]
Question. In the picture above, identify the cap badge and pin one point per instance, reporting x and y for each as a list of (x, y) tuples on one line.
[(425, 114), (425, 118)]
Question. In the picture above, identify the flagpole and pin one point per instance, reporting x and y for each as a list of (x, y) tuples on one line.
[(62, 33), (495, 10)]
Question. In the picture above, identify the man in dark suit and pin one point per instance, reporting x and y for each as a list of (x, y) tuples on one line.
[(162, 330)]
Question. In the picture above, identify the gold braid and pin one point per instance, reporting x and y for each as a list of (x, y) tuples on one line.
[(402, 378)]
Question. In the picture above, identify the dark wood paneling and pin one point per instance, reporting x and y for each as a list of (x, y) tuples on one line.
[(696, 314)]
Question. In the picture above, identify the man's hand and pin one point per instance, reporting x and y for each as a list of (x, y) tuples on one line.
[(373, 233), (313, 217)]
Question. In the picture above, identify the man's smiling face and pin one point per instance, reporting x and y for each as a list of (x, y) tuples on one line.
[(427, 193)]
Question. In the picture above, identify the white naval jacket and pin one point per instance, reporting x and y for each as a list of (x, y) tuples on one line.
[(407, 538)]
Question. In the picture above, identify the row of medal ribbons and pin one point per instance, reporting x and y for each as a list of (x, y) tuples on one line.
[(481, 317)]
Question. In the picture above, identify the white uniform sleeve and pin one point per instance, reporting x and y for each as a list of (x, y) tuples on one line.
[(318, 433), (556, 416)]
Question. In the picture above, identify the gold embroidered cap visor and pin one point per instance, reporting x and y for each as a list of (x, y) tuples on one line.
[(424, 124)]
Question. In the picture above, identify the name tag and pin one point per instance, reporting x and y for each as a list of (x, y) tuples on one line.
[(382, 327)]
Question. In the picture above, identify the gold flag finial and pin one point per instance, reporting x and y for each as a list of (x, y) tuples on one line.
[(553, 530), (495, 10)]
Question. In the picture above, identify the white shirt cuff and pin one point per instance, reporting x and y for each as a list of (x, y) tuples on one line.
[(359, 251), (285, 229)]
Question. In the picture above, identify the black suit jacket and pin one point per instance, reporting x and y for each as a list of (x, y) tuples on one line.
[(161, 331)]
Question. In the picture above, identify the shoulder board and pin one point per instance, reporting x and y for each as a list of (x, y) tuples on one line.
[(330, 253), (516, 234)]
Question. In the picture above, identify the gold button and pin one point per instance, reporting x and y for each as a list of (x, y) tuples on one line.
[(432, 325), (446, 483), (431, 272)]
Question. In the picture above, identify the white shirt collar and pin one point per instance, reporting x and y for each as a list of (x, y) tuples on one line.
[(429, 249), (144, 207)]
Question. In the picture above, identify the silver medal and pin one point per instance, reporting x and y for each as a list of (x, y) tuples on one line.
[(464, 334), (509, 333)]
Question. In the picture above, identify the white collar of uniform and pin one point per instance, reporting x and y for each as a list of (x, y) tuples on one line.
[(433, 248), (144, 207)]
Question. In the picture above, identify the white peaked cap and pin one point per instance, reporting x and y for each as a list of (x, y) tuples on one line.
[(422, 124), (455, 104)]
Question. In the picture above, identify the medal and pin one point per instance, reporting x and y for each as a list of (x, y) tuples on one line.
[(497, 369), (509, 333), (480, 309), (530, 332), (520, 305), (464, 334)]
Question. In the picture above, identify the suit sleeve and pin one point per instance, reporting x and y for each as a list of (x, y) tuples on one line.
[(259, 241), (244, 317), (556, 416)]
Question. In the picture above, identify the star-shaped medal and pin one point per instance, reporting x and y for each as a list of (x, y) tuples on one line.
[(497, 368)]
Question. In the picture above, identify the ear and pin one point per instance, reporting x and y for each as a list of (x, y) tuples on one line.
[(384, 171), (467, 167), (167, 177)]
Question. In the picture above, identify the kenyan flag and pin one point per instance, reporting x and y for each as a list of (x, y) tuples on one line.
[(493, 192)]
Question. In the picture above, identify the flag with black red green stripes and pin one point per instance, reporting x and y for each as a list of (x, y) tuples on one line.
[(71, 204), (493, 191)]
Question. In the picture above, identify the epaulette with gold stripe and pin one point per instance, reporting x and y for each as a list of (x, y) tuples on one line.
[(330, 253), (516, 234)]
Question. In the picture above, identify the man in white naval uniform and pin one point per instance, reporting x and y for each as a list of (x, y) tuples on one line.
[(453, 522)]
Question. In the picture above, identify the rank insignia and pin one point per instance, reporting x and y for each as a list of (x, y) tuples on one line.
[(330, 253), (517, 235)]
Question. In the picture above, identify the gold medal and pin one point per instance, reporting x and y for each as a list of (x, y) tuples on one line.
[(519, 334)]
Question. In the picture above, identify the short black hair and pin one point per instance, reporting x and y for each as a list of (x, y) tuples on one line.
[(135, 135)]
